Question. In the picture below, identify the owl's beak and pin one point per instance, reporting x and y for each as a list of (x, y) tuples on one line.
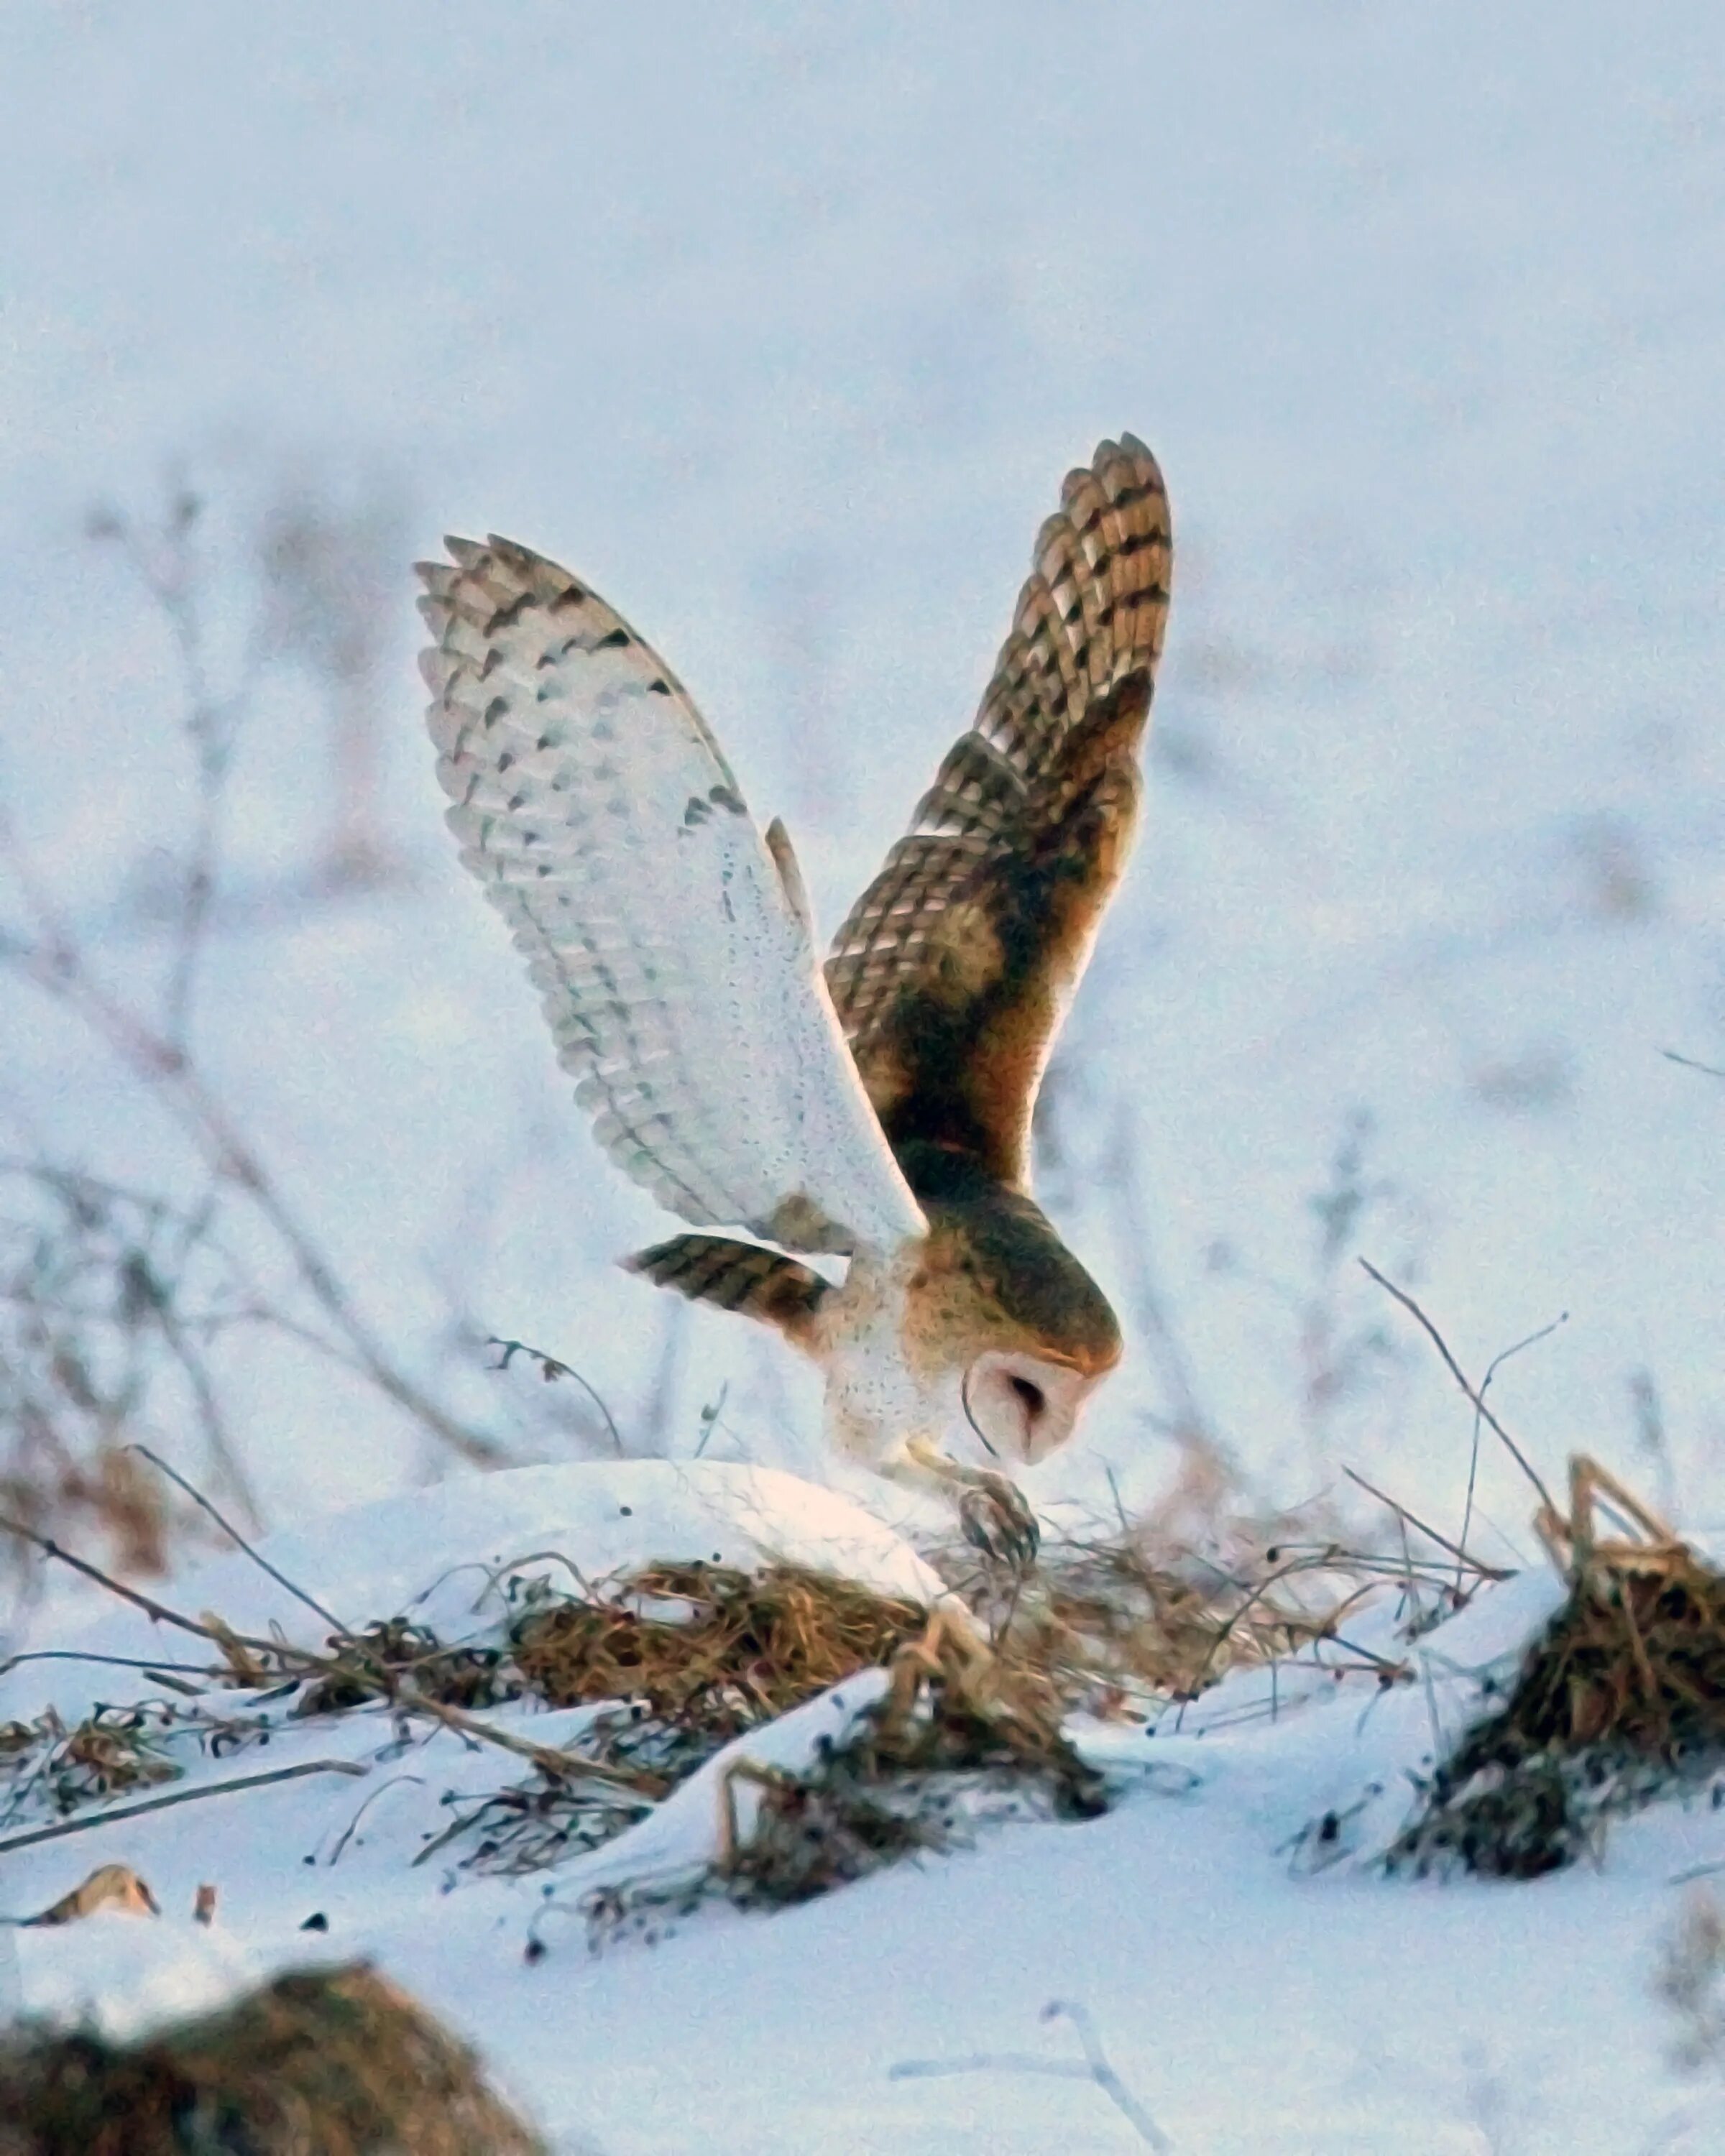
[(1023, 1406)]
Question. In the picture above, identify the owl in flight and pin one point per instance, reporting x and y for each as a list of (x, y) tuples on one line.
[(877, 1109)]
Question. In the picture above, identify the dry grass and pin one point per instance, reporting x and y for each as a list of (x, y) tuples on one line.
[(681, 1658), (699, 1654), (957, 1738), (710, 1645), (1128, 1622), (336, 2062), (958, 1732), (1620, 1699), (374, 1661)]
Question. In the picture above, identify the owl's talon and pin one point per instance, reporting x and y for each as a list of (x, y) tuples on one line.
[(998, 1521)]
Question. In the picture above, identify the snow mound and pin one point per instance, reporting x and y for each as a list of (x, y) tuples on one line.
[(431, 1554), (353, 1831)]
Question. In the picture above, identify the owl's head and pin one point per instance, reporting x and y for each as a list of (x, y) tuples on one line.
[(1024, 1406), (1005, 1304)]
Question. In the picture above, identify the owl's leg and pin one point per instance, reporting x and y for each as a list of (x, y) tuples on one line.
[(992, 1511)]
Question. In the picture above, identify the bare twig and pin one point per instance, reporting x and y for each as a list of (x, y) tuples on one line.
[(559, 1766), (86, 1821), (550, 1368), (1689, 1063), (351, 1828), (210, 1419), (56, 964), (162, 561), (150, 1668), (1492, 1368), (1094, 2068), (157, 1612), (1407, 1303), (1413, 1519), (233, 1534)]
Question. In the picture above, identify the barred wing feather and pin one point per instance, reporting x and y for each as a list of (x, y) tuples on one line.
[(955, 967), (671, 944)]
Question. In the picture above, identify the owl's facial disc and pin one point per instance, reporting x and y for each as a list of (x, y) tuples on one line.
[(1021, 1406)]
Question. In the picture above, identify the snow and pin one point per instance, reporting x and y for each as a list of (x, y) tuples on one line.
[(1249, 1997), (126, 1977), (781, 327), (438, 1553)]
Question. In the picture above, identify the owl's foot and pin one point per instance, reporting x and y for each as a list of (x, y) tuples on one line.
[(998, 1521), (992, 1511)]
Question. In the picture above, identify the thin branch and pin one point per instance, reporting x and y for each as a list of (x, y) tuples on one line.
[(1103, 2074), (210, 1420), (212, 722), (89, 1820), (221, 1636), (1407, 1303), (157, 1612), (988, 2062), (1095, 2069), (560, 1766), (154, 1667), (1689, 1063), (233, 1535), (57, 966), (551, 1368), (351, 1828), (1413, 1519), (1491, 1370)]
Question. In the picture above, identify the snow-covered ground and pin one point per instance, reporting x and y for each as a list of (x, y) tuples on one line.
[(781, 325), (1256, 1981)]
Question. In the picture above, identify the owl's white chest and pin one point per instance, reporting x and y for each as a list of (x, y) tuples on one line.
[(876, 1402)]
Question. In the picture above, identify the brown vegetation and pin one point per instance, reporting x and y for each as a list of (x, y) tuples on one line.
[(334, 2060)]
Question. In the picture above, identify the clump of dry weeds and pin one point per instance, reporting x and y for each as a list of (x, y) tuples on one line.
[(709, 1644), (1620, 1699), (375, 1659), (1112, 1626), (957, 1738), (331, 2059), (1129, 1622), (959, 1735), (695, 1655)]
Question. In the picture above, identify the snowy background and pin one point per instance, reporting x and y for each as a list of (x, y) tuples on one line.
[(781, 325)]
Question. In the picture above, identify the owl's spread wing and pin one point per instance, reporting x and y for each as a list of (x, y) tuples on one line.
[(956, 966), (670, 945)]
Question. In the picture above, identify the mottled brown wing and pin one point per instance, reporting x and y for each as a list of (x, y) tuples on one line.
[(953, 972), (733, 1275)]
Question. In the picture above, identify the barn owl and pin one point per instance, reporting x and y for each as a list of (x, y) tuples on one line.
[(877, 1110)]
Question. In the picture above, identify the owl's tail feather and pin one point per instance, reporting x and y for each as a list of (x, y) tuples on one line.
[(734, 1276)]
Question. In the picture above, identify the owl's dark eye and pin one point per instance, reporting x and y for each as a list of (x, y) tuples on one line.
[(1031, 1396)]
